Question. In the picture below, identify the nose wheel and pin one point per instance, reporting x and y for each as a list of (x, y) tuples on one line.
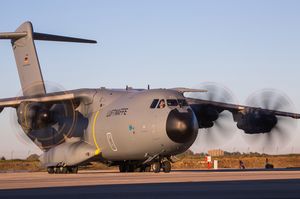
[(156, 167), (166, 166)]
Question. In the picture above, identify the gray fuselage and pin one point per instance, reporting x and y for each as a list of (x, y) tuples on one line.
[(124, 126)]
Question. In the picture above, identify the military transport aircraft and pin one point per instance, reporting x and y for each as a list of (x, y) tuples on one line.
[(135, 129)]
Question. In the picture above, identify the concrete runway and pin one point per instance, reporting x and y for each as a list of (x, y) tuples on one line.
[(177, 184)]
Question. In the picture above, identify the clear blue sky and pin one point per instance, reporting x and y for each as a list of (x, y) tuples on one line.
[(244, 45)]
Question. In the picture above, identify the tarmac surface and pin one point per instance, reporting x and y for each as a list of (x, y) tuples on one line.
[(177, 184)]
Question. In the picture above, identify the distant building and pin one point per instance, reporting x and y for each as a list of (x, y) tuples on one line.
[(216, 152)]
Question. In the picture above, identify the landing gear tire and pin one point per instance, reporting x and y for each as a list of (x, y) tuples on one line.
[(56, 169), (73, 169), (122, 168), (138, 169), (64, 170), (166, 166), (126, 167), (147, 168), (50, 170), (60, 170), (130, 168), (156, 166)]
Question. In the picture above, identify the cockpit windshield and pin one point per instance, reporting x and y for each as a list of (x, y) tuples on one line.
[(177, 102), (154, 103), (160, 103)]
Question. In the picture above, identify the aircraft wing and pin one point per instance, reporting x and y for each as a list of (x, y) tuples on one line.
[(80, 94), (235, 108), (252, 120)]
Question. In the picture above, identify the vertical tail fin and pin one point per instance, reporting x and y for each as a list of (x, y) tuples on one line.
[(27, 61), (26, 57)]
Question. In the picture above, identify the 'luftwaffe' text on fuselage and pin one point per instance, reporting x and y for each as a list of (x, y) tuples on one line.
[(117, 112)]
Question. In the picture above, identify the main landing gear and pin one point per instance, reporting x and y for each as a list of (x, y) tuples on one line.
[(155, 166), (62, 169)]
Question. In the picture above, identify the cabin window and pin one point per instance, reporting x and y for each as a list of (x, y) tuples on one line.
[(154, 103)]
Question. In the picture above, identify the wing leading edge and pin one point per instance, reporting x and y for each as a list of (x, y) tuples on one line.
[(80, 94)]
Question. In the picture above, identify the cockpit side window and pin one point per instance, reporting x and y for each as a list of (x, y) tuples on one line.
[(172, 102), (154, 103), (161, 104), (182, 102)]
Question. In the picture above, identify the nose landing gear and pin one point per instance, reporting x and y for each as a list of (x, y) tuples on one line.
[(156, 167), (164, 165)]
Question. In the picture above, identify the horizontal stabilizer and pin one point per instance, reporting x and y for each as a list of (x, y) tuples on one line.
[(48, 37), (45, 37)]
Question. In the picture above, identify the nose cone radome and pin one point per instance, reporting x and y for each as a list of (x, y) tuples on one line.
[(181, 127)]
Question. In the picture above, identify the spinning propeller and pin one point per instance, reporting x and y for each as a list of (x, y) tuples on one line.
[(216, 126), (275, 131), (48, 124)]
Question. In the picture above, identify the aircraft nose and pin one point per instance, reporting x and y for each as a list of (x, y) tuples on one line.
[(181, 127)]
